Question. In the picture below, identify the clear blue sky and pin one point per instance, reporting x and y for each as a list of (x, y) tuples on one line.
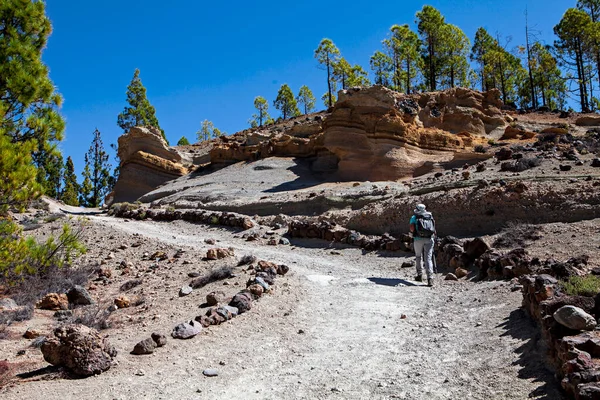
[(209, 59)]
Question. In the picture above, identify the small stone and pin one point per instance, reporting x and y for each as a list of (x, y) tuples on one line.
[(210, 241), (193, 274), (210, 372), (284, 241), (159, 256), (186, 330), (214, 298), (185, 290), (31, 334), (122, 302), (408, 264), (256, 289), (112, 308), (403, 316), (146, 346), (110, 256), (262, 283), (77, 295), (159, 339), (53, 301), (450, 277), (461, 273)]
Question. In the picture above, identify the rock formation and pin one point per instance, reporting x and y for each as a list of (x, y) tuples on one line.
[(371, 134), (146, 163), (79, 348)]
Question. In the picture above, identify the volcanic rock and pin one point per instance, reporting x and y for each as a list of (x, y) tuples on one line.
[(53, 301), (574, 318), (79, 348)]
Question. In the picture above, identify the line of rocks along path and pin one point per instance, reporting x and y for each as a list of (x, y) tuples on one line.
[(333, 329)]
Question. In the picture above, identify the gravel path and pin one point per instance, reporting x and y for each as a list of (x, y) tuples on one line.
[(333, 329)]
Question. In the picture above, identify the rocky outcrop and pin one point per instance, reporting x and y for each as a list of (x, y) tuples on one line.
[(79, 348), (146, 163), (371, 134), (377, 134)]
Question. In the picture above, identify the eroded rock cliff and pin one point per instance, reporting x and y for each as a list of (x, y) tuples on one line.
[(146, 163), (371, 134)]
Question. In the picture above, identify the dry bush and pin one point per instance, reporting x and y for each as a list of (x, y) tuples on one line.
[(54, 280), (93, 316), (517, 234), (213, 276), (247, 260)]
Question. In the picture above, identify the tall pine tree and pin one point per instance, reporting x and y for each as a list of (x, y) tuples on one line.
[(96, 174), (28, 103), (328, 55), (70, 187), (140, 111)]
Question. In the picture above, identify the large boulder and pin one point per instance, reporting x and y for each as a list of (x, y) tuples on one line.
[(80, 349), (146, 163), (575, 318)]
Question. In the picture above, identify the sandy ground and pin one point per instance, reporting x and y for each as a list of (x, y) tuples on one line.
[(332, 328)]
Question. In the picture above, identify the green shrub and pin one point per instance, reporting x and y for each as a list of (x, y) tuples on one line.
[(588, 285), (24, 256)]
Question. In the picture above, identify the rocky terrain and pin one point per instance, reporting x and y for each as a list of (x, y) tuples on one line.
[(282, 254)]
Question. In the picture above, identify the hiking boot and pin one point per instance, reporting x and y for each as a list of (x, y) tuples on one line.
[(419, 278), (429, 282)]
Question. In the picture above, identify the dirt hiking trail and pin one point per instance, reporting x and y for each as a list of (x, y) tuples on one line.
[(333, 328)]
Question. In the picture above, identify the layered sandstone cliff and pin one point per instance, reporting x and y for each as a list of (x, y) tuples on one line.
[(146, 163), (371, 134)]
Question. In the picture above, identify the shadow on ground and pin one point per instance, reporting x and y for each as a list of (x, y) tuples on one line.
[(392, 282), (532, 355)]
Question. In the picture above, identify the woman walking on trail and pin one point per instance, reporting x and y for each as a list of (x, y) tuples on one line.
[(422, 226)]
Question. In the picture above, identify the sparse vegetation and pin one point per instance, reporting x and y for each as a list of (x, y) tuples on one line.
[(588, 285), (517, 234), (479, 149), (213, 276)]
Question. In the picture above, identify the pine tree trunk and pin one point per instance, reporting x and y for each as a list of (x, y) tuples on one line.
[(329, 80), (407, 75)]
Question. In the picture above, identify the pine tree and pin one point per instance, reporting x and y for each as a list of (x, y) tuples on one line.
[(96, 174), (341, 72), (286, 103), (216, 132), (140, 111), (358, 77), (18, 184), (575, 33), (482, 45), (328, 55), (183, 141), (455, 51), (306, 99), (430, 24), (70, 186), (403, 47), (52, 170), (205, 131), (29, 103), (547, 76), (381, 65), (262, 115)]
